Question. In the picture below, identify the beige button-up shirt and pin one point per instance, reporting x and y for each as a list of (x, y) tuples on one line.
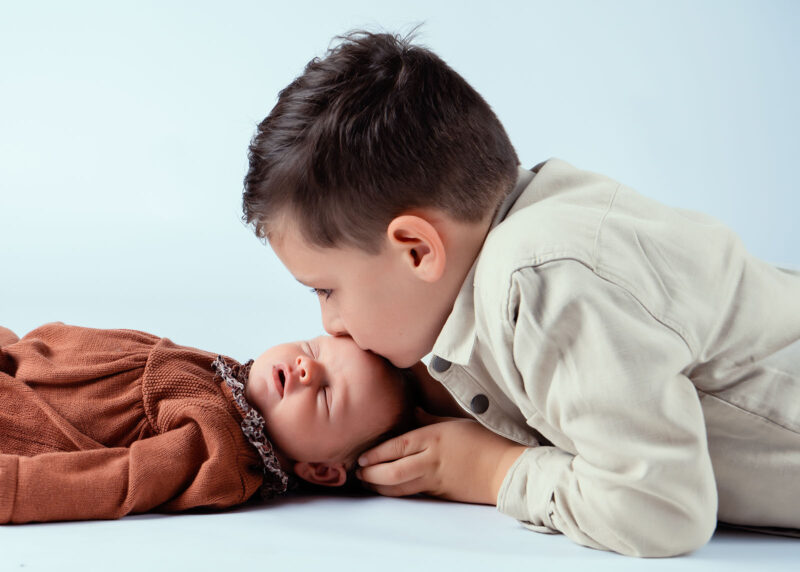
[(653, 360)]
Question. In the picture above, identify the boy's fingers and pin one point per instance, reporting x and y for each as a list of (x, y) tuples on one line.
[(395, 473), (390, 450), (406, 489)]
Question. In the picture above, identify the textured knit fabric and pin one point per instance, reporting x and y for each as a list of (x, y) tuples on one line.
[(97, 424), (654, 358)]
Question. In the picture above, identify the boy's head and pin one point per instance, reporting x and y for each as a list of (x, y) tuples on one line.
[(377, 127), (380, 149), (324, 402)]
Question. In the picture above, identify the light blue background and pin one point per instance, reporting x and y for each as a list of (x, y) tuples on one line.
[(124, 127)]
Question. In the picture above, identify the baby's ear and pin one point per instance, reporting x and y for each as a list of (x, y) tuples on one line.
[(324, 474)]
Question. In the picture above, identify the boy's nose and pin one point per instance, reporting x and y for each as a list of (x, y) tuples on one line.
[(307, 370), (333, 324)]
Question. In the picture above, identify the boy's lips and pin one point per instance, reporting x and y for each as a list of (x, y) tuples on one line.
[(279, 378)]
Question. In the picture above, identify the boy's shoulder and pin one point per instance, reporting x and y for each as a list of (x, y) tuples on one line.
[(672, 261), (556, 216)]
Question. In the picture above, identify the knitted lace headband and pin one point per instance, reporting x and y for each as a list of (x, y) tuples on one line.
[(276, 481)]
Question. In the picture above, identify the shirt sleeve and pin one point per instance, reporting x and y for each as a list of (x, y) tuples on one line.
[(175, 470), (629, 470)]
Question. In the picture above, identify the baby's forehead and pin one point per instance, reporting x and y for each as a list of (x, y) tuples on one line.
[(338, 344), (341, 353)]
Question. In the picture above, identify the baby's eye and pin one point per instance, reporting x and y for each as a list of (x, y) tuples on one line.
[(327, 397), (322, 292)]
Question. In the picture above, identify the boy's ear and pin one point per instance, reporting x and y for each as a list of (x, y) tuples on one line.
[(325, 474), (420, 245)]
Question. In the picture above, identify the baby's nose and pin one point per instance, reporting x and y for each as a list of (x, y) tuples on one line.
[(307, 369)]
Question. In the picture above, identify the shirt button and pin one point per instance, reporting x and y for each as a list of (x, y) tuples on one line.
[(479, 404), (440, 365)]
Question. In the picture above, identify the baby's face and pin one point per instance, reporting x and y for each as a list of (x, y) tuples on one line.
[(323, 398)]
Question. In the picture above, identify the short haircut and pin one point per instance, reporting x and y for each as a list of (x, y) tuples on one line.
[(375, 128)]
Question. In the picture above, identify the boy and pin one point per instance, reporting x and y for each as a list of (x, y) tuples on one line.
[(102, 423), (652, 359)]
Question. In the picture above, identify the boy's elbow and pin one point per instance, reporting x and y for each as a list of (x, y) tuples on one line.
[(653, 524), (678, 531), (690, 533)]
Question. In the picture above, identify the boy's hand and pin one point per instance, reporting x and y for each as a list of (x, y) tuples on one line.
[(454, 459)]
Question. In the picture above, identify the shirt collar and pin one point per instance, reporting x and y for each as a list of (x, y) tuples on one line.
[(524, 178), (457, 338)]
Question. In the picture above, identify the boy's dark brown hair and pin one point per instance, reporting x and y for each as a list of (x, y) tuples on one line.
[(375, 128)]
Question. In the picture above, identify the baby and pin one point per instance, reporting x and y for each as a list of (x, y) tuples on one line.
[(102, 423)]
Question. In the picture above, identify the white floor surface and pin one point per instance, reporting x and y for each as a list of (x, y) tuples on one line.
[(344, 533)]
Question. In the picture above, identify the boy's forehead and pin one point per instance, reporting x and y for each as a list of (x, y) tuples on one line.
[(282, 227), (285, 233), (293, 250), (286, 229), (311, 263)]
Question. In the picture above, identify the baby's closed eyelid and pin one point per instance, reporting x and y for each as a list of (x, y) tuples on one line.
[(327, 396), (316, 348)]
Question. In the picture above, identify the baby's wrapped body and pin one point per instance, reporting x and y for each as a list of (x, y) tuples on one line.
[(98, 424)]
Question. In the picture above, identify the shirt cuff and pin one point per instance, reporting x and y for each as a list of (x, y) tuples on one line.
[(8, 486), (527, 490)]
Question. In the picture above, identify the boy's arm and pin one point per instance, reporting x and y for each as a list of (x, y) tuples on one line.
[(603, 375), (178, 467), (454, 459)]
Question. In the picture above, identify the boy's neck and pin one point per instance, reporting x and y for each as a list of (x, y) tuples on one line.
[(463, 242), (470, 238)]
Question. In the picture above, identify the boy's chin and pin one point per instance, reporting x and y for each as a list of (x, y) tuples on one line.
[(406, 360)]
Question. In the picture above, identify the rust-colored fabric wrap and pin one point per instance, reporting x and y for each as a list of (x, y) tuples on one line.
[(97, 424)]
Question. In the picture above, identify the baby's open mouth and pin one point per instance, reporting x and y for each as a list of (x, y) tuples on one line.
[(279, 378)]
